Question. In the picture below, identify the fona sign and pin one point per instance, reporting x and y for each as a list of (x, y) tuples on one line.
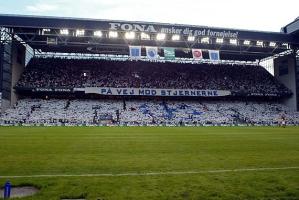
[(132, 27)]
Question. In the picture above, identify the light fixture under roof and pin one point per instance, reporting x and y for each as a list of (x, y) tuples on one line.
[(246, 42), (144, 36), (98, 33), (161, 36), (260, 43), (219, 40), (130, 35), (272, 44), (205, 40), (191, 38), (175, 37), (113, 34), (64, 31), (233, 41), (80, 32)]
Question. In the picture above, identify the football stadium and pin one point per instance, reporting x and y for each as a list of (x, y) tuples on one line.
[(106, 109)]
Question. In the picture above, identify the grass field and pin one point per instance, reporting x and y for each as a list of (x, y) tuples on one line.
[(133, 153)]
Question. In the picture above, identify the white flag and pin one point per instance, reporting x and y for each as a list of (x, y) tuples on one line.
[(214, 55), (152, 53), (135, 52), (197, 54)]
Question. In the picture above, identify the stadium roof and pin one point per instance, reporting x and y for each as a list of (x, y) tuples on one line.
[(74, 35), (292, 28)]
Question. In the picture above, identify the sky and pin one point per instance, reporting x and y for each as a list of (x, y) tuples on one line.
[(263, 15)]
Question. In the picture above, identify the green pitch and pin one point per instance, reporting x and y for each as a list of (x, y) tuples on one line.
[(136, 152)]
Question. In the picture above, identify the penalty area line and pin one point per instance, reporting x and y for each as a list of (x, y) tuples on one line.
[(152, 173)]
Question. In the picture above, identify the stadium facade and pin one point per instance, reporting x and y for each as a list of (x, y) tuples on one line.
[(24, 39)]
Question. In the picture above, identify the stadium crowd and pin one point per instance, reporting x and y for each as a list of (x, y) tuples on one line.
[(78, 73), (146, 112)]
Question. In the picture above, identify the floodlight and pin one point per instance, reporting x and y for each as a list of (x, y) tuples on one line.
[(233, 41), (219, 40), (80, 32), (98, 33), (246, 42), (161, 36), (144, 36), (64, 31), (191, 38), (175, 37), (259, 43), (130, 35), (46, 30), (205, 40), (272, 44), (113, 34)]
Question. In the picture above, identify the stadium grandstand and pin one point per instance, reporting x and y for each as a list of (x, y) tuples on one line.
[(70, 72)]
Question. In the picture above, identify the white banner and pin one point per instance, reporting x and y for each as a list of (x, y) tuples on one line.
[(197, 54), (152, 53), (153, 92), (214, 55), (135, 52)]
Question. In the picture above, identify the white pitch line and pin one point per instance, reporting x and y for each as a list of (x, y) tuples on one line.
[(154, 173)]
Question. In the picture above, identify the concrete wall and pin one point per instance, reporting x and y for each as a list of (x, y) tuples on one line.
[(285, 72), (11, 73), (5, 74), (17, 68)]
